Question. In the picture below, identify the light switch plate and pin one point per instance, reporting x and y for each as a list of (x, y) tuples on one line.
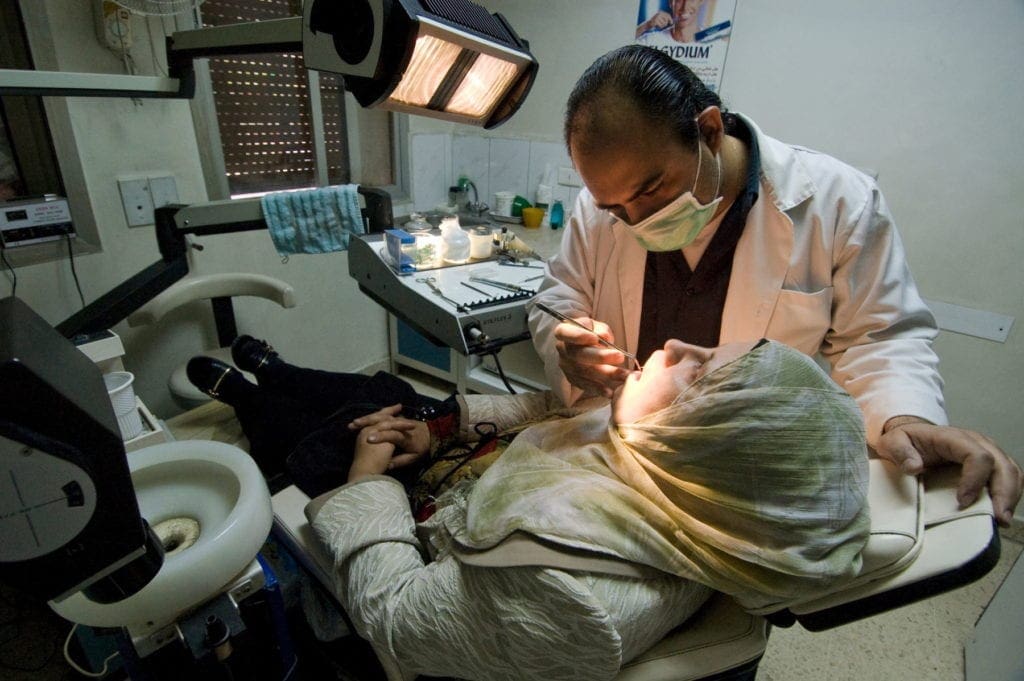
[(569, 177), (137, 201), (163, 191)]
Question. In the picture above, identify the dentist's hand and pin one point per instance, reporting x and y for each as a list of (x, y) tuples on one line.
[(915, 445), (586, 363)]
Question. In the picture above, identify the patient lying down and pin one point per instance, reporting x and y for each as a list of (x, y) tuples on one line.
[(735, 469)]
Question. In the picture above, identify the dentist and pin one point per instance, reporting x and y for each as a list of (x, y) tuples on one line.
[(695, 225)]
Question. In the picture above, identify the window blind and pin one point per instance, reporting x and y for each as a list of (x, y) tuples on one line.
[(263, 111)]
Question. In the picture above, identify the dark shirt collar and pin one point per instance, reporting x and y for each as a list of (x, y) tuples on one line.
[(735, 126)]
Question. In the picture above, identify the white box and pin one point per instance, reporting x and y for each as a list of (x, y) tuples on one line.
[(105, 352)]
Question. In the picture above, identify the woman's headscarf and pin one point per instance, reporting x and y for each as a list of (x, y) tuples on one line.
[(753, 481)]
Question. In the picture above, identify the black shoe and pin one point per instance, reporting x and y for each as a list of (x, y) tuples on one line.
[(217, 379), (251, 354)]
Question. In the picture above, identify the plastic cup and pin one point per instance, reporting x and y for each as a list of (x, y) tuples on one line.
[(518, 204), (532, 217), (503, 202), (122, 397), (480, 243)]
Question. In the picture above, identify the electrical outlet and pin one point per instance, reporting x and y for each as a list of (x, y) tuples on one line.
[(569, 177), (113, 26), (137, 201)]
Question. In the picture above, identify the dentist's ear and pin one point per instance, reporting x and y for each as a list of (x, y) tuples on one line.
[(712, 129)]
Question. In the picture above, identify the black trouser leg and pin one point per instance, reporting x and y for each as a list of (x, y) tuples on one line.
[(274, 424), (325, 392)]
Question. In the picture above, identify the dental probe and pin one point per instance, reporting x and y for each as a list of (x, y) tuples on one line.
[(569, 320), (515, 288)]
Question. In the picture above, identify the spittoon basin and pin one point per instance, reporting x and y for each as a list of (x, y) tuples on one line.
[(210, 505)]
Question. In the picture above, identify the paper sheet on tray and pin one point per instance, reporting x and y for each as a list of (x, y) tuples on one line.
[(457, 283)]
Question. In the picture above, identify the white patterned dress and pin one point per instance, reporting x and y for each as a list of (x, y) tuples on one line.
[(426, 613)]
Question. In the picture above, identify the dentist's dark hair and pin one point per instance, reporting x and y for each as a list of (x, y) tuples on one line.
[(661, 88)]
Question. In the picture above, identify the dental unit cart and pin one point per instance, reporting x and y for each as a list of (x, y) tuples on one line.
[(474, 309)]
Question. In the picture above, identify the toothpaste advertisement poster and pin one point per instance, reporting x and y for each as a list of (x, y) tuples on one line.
[(694, 32)]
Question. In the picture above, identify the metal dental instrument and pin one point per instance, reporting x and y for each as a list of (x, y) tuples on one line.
[(432, 283), (501, 284), (512, 263), (481, 292), (569, 320)]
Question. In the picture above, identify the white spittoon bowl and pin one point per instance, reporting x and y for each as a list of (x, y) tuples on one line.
[(188, 483)]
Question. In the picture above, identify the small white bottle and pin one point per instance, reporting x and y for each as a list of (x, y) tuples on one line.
[(456, 241), (544, 201)]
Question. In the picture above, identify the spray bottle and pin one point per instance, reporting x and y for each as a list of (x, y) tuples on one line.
[(557, 213)]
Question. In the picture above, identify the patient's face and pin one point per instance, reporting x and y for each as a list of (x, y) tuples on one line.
[(667, 373)]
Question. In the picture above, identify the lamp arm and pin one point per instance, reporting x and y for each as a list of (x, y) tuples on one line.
[(123, 299)]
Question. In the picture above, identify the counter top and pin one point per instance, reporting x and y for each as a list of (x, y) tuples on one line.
[(544, 241)]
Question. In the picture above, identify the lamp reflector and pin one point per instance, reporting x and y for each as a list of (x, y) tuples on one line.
[(487, 81), (431, 61)]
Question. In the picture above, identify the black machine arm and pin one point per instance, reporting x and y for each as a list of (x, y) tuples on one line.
[(173, 224)]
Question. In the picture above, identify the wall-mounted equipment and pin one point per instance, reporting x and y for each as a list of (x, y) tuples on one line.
[(33, 221)]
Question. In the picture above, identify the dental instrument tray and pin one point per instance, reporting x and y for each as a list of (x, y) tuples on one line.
[(474, 308)]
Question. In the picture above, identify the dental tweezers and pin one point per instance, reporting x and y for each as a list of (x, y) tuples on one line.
[(501, 284), (569, 320)]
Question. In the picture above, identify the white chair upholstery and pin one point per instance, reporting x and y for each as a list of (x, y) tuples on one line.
[(204, 287), (207, 287)]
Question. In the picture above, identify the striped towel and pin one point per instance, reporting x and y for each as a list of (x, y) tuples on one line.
[(314, 220)]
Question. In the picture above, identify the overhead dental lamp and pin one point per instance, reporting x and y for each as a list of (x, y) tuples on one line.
[(447, 59)]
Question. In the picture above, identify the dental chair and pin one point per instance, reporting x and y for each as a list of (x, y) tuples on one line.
[(921, 544), (219, 289), (173, 224)]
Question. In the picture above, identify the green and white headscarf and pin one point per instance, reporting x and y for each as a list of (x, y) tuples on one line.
[(753, 482)]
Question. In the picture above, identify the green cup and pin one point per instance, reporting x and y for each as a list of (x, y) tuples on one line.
[(518, 204)]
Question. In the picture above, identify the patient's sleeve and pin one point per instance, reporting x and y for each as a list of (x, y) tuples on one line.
[(449, 619), (508, 411)]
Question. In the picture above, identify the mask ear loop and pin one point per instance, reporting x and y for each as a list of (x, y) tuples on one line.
[(700, 159)]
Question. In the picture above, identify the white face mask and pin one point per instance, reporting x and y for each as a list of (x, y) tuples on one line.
[(675, 226)]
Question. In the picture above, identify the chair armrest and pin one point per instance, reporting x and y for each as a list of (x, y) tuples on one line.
[(294, 531), (213, 286), (957, 546)]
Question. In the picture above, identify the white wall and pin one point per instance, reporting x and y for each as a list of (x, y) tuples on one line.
[(334, 325), (927, 94)]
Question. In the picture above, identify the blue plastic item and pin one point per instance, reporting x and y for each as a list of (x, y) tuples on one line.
[(557, 215)]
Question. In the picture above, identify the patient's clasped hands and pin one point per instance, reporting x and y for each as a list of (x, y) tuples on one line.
[(387, 441)]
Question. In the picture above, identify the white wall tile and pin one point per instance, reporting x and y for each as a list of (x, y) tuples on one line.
[(510, 164), (431, 169), (542, 156), (509, 171), (470, 157)]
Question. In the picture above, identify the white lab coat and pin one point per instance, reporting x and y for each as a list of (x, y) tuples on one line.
[(819, 266)]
